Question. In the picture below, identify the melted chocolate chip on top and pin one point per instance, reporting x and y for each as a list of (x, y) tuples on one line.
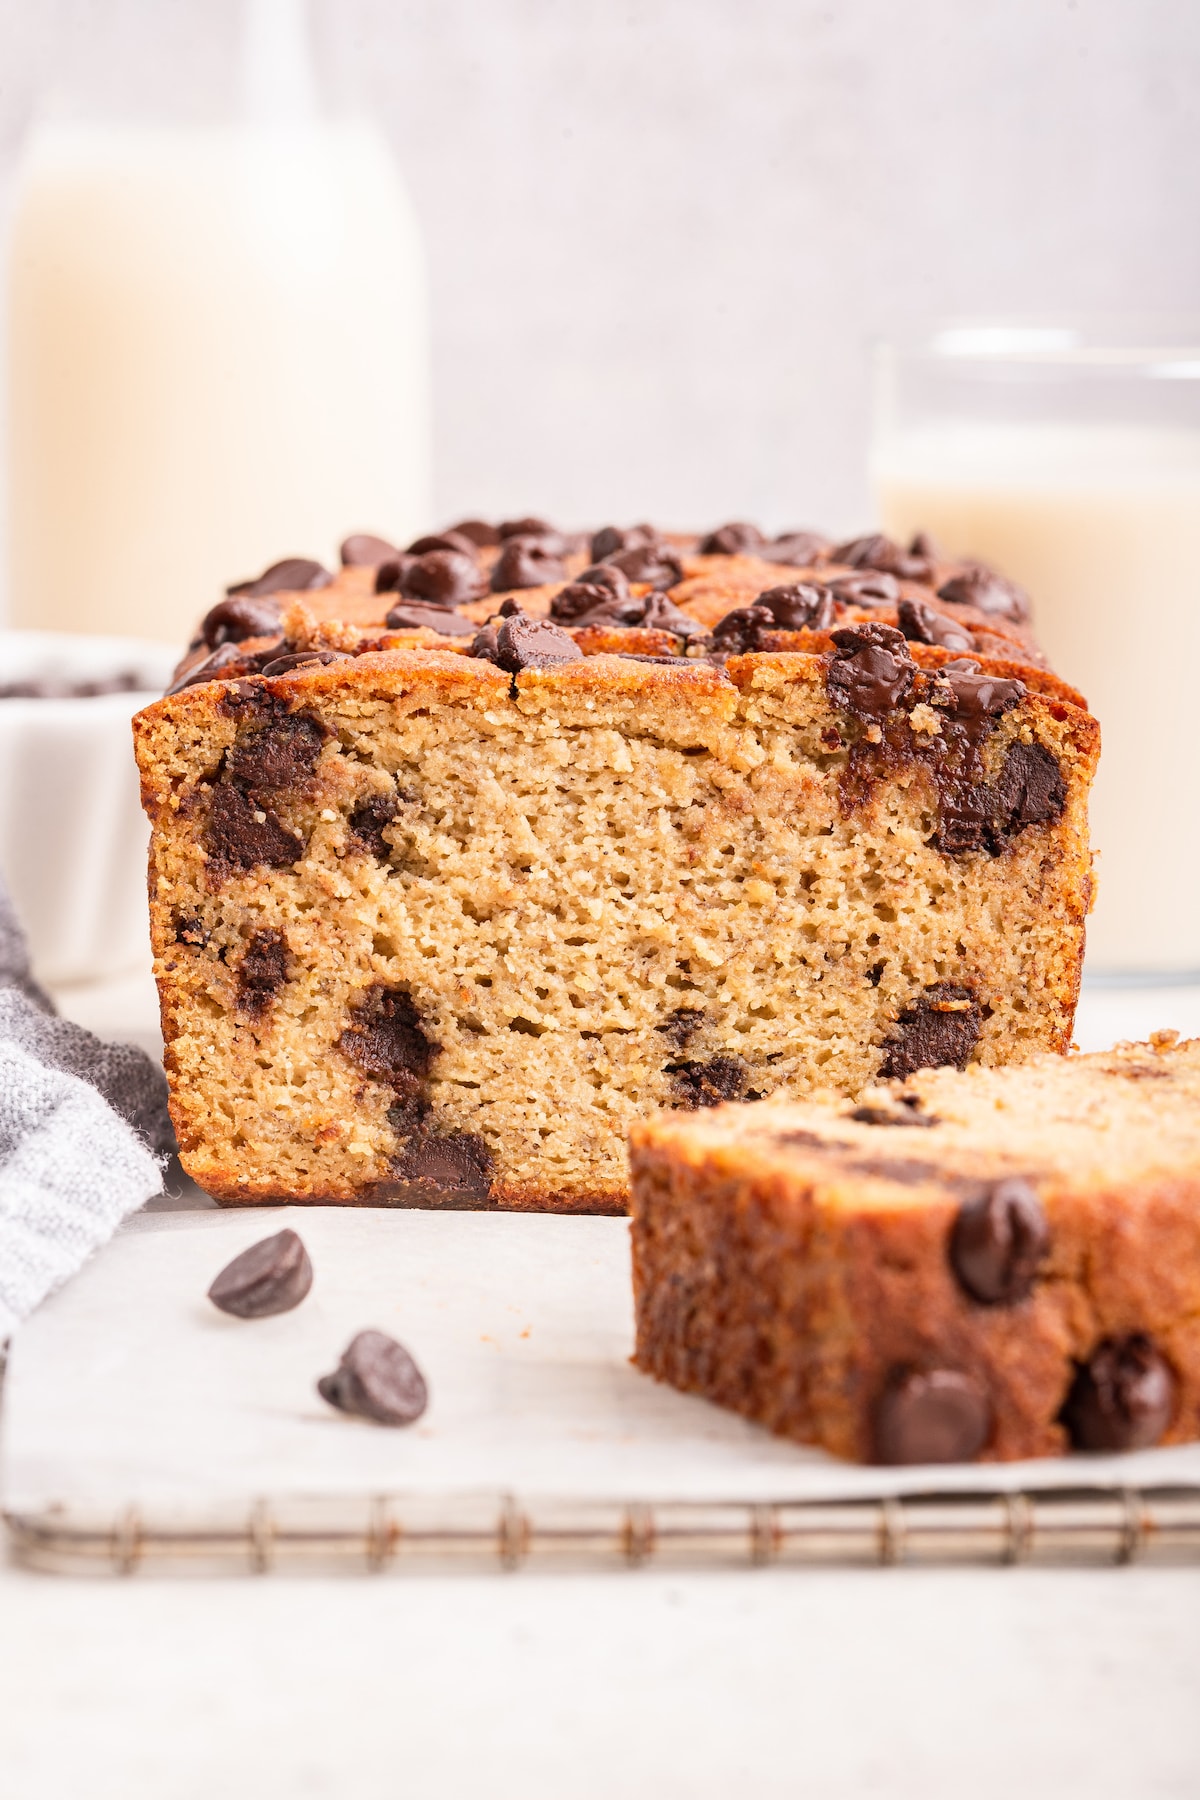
[(294, 575), (736, 539), (871, 670), (988, 593), (527, 562)]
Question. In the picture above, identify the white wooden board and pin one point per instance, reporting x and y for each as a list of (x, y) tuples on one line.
[(128, 1387)]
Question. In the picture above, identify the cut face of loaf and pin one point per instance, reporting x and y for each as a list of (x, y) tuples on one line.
[(996, 1264), (426, 932)]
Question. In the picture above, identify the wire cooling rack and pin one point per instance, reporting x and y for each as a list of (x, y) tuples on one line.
[(394, 1534)]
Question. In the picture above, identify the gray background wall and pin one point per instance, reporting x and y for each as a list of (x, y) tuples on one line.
[(662, 233)]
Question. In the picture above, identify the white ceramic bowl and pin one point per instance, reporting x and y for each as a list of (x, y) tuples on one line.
[(72, 833)]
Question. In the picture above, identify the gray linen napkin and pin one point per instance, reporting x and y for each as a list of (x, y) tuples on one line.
[(83, 1132)]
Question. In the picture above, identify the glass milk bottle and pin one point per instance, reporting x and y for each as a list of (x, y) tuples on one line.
[(1071, 460), (218, 346)]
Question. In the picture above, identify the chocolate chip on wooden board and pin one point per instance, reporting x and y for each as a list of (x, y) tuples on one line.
[(270, 1277), (376, 1379), (998, 1242), (294, 575), (931, 1416), (1122, 1398)]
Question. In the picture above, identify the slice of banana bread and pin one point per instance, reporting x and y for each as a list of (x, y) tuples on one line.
[(995, 1264), (436, 928)]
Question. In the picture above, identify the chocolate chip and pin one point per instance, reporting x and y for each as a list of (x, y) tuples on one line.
[(736, 539), (385, 1040), (1122, 1398), (261, 972), (799, 548), (443, 578), (931, 1416), (1030, 789), (362, 551), (524, 643), (295, 575), (538, 528), (879, 552), (978, 696), (595, 603), (939, 1030), (278, 757), (368, 820), (304, 659), (189, 929), (526, 562), (484, 644), (660, 613), (454, 1169), (478, 530), (240, 835), (740, 631), (232, 620), (998, 1240), (867, 588), (656, 563), (443, 540), (376, 1379), (219, 664), (924, 624), (921, 544), (709, 1083), (611, 538), (270, 1277), (413, 615), (905, 1111), (987, 592), (390, 574), (800, 606), (871, 670), (682, 1025)]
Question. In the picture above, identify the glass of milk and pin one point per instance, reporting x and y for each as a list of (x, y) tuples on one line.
[(1070, 459), (217, 340)]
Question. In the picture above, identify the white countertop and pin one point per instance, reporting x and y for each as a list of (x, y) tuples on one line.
[(827, 1683)]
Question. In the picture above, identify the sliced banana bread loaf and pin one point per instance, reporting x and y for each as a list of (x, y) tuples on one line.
[(436, 928)]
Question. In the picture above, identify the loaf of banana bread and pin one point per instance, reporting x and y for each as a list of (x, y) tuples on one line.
[(436, 917), (993, 1264)]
